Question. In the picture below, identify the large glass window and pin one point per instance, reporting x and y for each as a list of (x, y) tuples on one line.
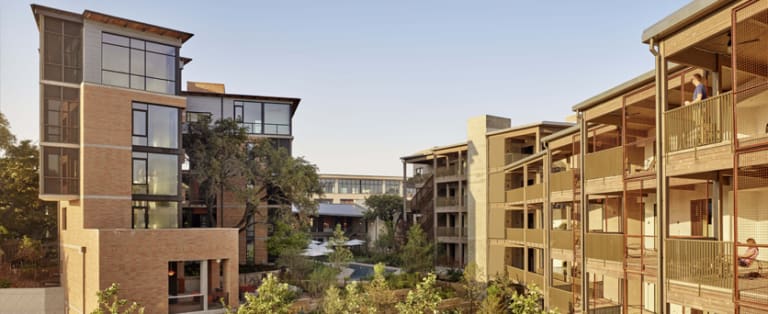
[(392, 187), (347, 186), (155, 215), (155, 126), (138, 64), (263, 118), (328, 185), (155, 174), (62, 51), (371, 186), (61, 170), (61, 114)]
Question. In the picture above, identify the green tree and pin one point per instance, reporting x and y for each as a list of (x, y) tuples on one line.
[(6, 137), (341, 254), (218, 160), (528, 302), (288, 235), (299, 267), (383, 206), (320, 279), (377, 293), (424, 299), (110, 302), (417, 254), (271, 297), (473, 289), (351, 301)]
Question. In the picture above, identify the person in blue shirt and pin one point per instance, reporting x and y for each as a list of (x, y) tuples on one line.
[(700, 92)]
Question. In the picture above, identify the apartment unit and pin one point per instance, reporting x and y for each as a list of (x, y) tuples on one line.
[(112, 113)]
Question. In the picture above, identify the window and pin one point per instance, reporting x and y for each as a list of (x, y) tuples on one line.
[(347, 186), (263, 118), (155, 215), (61, 114), (155, 174), (60, 170), (371, 186), (63, 218), (392, 187), (193, 116), (62, 51), (155, 126), (328, 185), (138, 64)]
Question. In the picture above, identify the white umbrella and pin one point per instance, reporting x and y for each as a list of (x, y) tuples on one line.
[(354, 242), (316, 250)]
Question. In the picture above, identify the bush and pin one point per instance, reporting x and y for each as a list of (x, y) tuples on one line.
[(272, 297), (5, 283), (423, 299), (321, 278), (110, 302), (404, 281)]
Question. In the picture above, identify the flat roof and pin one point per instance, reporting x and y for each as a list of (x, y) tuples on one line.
[(115, 20), (341, 210), (357, 176), (681, 18), (530, 125), (430, 151), (294, 101)]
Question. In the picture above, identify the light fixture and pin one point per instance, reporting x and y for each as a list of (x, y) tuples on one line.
[(171, 272)]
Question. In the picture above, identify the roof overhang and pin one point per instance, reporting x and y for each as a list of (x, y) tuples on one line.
[(294, 102), (681, 18)]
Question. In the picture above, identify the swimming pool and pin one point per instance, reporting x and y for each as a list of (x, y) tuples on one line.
[(365, 271)]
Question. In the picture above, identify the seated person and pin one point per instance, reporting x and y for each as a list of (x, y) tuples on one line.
[(750, 255)]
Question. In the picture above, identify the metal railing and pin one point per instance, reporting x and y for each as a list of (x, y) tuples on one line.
[(604, 163), (605, 246), (561, 181), (706, 122), (447, 171), (701, 262), (444, 201)]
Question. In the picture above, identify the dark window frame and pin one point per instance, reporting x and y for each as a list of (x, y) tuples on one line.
[(176, 72)]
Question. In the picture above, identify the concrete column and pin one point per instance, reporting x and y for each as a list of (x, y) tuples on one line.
[(662, 183), (203, 282), (582, 222)]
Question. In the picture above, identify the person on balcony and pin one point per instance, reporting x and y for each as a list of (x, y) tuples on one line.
[(699, 92), (750, 255)]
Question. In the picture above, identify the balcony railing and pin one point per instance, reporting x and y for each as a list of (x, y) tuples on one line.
[(701, 262), (512, 157), (561, 181), (706, 122), (447, 232), (605, 246), (535, 191), (443, 201), (447, 171), (605, 163), (515, 195), (515, 234), (516, 273), (562, 239), (534, 235)]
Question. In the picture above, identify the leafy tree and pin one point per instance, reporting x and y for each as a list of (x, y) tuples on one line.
[(377, 293), (333, 301), (528, 302), (298, 266), (217, 159), (30, 253), (417, 253), (321, 278), (474, 289), (6, 137), (341, 254), (424, 299), (351, 302), (111, 303), (271, 297), (288, 235), (383, 206)]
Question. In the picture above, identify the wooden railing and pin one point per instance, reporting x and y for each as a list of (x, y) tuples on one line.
[(605, 163), (605, 246), (534, 191), (706, 122), (512, 157), (701, 262), (447, 171), (515, 234), (443, 201), (515, 195), (561, 239), (516, 273), (561, 181), (534, 235), (447, 232)]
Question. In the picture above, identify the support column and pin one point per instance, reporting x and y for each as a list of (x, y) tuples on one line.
[(547, 208), (203, 282), (661, 177), (582, 222), (404, 192), (434, 207)]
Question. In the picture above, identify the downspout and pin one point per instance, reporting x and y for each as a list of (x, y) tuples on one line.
[(661, 180), (582, 223), (547, 223)]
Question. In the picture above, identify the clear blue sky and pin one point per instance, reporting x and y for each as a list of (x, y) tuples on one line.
[(378, 79)]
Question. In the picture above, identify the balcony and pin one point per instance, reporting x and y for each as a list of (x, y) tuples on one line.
[(447, 231), (444, 201), (446, 172), (561, 239), (602, 164), (534, 235), (605, 246), (516, 274), (516, 234), (536, 279), (535, 191), (512, 157), (709, 121), (515, 195), (561, 181), (701, 262)]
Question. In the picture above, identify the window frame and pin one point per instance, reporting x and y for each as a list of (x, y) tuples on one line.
[(175, 72)]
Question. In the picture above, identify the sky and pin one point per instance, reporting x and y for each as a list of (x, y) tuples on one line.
[(378, 79)]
